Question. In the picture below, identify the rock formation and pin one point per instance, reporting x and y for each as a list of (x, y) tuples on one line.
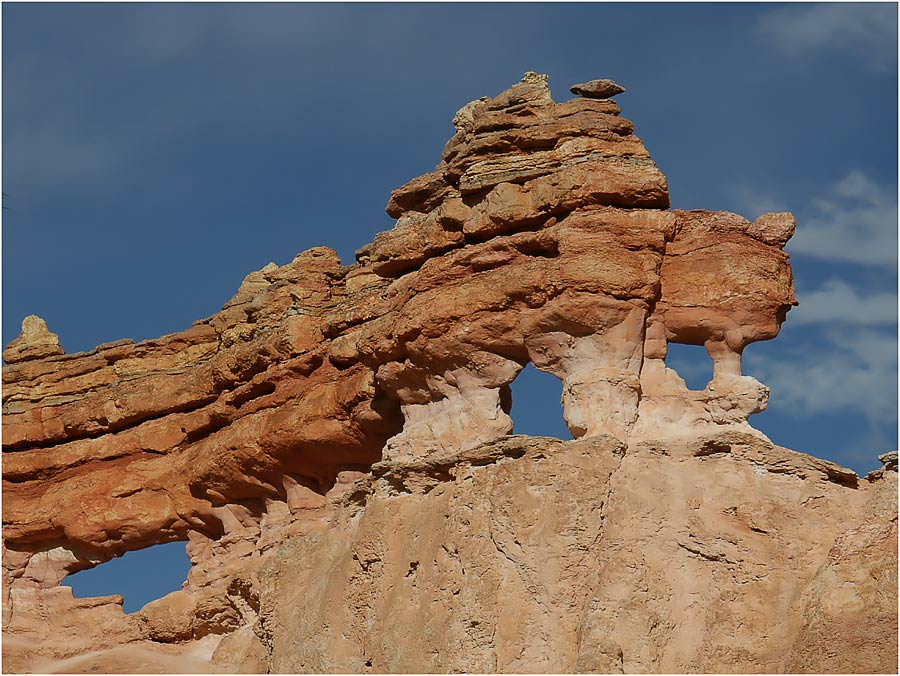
[(35, 342), (334, 445)]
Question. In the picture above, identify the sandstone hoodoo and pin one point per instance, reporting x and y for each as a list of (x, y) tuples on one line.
[(335, 446)]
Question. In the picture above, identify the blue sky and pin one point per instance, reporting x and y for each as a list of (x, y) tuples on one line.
[(154, 154)]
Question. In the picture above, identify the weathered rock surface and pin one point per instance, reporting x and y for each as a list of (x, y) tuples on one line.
[(360, 414), (597, 89), (535, 555)]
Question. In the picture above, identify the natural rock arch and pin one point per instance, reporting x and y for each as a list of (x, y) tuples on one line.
[(543, 236)]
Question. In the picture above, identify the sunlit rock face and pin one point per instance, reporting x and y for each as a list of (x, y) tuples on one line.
[(361, 414)]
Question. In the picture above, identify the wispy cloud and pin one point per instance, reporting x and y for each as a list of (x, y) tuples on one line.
[(843, 357), (838, 302), (867, 31), (837, 371), (854, 220)]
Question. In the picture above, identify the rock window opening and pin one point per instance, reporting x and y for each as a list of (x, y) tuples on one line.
[(537, 404), (141, 576), (691, 362)]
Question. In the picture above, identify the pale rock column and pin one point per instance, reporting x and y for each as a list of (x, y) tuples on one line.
[(457, 409), (668, 409), (736, 396), (594, 345)]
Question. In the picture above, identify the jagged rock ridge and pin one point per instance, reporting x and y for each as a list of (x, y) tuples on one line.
[(331, 404)]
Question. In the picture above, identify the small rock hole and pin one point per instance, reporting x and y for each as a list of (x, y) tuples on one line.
[(537, 405), (691, 362)]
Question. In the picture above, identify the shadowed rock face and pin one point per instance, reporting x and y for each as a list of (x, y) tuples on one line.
[(543, 236)]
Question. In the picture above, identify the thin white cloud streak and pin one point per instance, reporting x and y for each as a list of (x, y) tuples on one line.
[(848, 372), (867, 31), (847, 360), (755, 202), (854, 220), (837, 301)]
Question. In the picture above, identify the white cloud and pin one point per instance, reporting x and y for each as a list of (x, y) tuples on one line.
[(855, 222), (865, 30), (844, 354), (756, 202), (837, 301), (841, 371)]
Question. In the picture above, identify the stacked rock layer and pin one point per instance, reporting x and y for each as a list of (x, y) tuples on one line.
[(335, 406)]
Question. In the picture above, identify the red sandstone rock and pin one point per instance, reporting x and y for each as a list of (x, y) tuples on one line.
[(774, 229), (543, 236), (598, 89)]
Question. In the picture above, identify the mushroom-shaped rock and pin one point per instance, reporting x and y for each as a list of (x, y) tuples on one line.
[(597, 89), (35, 342)]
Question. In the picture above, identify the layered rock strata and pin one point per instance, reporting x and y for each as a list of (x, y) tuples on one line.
[(543, 236)]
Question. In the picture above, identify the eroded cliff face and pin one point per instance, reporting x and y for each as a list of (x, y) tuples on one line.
[(528, 554), (334, 445)]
